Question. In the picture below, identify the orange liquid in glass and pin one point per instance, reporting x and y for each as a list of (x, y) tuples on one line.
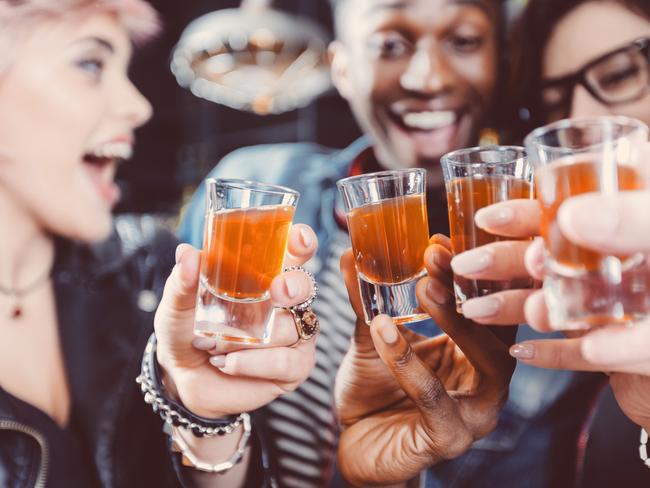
[(243, 250), (464, 197), (559, 181), (389, 238)]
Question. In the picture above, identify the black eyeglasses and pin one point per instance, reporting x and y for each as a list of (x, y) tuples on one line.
[(618, 77)]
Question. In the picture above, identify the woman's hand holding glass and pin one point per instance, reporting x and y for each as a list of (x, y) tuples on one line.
[(211, 378), (614, 224), (406, 401)]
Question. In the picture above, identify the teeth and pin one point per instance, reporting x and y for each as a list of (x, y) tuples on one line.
[(113, 150), (429, 120)]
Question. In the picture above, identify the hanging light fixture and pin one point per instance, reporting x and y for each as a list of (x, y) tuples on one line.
[(253, 58)]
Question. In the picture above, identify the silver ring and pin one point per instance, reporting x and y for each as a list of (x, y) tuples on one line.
[(306, 321)]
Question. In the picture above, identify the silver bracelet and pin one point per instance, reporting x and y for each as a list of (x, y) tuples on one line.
[(643, 448), (174, 412), (188, 458)]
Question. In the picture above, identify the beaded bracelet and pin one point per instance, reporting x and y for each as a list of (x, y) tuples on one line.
[(173, 412)]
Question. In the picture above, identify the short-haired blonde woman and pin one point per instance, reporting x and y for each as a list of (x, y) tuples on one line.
[(77, 298)]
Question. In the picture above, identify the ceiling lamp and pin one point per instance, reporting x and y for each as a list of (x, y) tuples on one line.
[(253, 58)]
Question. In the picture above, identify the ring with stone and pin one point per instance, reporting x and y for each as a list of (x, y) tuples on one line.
[(306, 321)]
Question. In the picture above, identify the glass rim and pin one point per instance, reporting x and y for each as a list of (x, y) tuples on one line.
[(533, 137), (449, 157), (256, 186), (379, 175)]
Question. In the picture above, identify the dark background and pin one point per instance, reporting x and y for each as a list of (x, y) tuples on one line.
[(187, 136)]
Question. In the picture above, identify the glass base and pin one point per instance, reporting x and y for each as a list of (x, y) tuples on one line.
[(617, 294), (396, 300), (231, 320)]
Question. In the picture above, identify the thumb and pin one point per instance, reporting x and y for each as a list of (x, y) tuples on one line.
[(417, 380), (614, 224), (179, 295)]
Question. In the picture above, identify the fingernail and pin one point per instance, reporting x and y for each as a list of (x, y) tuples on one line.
[(471, 262), (292, 287), (523, 351), (204, 343), (587, 349), (538, 264), (305, 237), (179, 254), (593, 219), (477, 308), (441, 297), (388, 332), (494, 216), (218, 361)]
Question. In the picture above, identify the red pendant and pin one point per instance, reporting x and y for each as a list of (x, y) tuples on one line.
[(16, 313)]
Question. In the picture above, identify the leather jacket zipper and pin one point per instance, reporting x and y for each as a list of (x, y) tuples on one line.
[(45, 454)]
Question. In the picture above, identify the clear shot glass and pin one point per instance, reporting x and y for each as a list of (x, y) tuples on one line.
[(387, 220), (245, 239)]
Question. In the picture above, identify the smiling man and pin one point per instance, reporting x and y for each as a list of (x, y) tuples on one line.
[(420, 77)]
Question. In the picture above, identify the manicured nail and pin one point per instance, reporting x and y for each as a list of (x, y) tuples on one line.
[(478, 308), (305, 237), (494, 216), (218, 361), (388, 332), (441, 297), (523, 351), (593, 219), (204, 343), (179, 254), (471, 262), (292, 287)]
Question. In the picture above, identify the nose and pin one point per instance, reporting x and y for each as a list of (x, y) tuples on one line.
[(428, 72), (583, 104), (132, 106)]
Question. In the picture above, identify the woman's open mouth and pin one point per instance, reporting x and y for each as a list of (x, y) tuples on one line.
[(101, 163)]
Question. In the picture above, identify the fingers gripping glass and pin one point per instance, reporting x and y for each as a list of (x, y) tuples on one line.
[(620, 76)]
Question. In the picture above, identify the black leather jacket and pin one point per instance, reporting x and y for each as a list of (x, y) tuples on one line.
[(106, 296)]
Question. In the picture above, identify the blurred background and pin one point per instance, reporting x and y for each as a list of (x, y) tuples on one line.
[(188, 135)]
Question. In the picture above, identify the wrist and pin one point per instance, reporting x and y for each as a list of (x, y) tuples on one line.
[(175, 393), (174, 413)]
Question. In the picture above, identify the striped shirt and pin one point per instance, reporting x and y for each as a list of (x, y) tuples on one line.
[(303, 423)]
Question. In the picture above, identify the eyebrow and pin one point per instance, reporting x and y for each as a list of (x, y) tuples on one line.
[(99, 41)]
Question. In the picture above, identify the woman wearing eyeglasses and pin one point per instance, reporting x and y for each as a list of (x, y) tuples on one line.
[(580, 58)]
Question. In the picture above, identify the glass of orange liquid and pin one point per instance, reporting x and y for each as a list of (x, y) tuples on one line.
[(475, 178), (387, 220), (584, 288), (245, 239)]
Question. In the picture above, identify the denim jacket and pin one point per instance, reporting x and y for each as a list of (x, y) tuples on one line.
[(535, 442)]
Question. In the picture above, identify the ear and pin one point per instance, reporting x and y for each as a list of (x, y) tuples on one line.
[(339, 62)]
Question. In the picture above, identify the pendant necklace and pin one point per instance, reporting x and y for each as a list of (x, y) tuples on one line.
[(17, 294)]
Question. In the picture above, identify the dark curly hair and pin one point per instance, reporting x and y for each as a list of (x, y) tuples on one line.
[(529, 40)]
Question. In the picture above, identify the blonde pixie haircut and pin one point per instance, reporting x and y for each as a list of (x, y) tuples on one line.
[(19, 17)]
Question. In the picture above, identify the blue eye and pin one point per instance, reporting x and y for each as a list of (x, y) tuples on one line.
[(93, 67)]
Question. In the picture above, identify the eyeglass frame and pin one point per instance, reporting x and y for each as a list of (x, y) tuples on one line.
[(579, 77)]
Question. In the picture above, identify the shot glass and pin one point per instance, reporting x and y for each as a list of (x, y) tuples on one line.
[(475, 178), (584, 288), (245, 239), (387, 219)]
